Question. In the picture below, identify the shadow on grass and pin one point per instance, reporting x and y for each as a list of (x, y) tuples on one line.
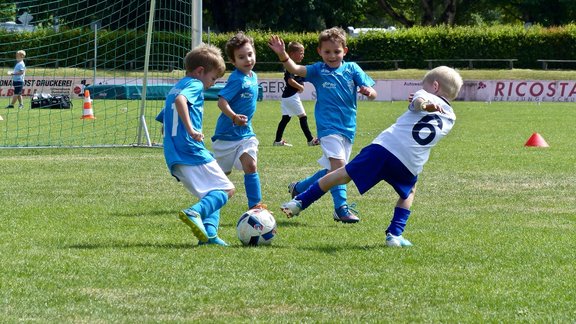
[(333, 249), (124, 245), (146, 213)]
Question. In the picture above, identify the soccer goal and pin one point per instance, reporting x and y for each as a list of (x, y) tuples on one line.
[(126, 54)]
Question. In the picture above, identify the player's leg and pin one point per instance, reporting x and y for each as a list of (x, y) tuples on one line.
[(297, 187), (315, 192), (209, 183), (400, 217), (280, 131), (248, 158), (337, 149)]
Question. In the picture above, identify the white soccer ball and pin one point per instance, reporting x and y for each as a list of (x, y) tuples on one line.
[(256, 227)]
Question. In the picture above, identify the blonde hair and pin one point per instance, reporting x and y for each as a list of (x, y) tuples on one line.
[(449, 81), (294, 47), (21, 53), (207, 56), (334, 34)]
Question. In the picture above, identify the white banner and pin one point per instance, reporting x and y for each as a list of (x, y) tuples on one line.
[(388, 90)]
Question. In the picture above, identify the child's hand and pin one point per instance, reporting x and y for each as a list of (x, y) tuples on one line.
[(367, 91), (430, 107), (276, 44), (198, 136), (239, 120)]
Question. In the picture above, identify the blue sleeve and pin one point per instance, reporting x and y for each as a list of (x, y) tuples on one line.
[(231, 89), (361, 78), (160, 117)]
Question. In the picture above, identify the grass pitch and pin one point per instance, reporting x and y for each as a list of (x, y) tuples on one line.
[(92, 235)]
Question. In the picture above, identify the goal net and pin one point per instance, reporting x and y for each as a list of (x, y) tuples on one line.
[(127, 54)]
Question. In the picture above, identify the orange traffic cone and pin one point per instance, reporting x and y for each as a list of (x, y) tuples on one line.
[(536, 140), (88, 112)]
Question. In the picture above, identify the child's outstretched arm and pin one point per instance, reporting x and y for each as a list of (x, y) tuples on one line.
[(277, 45), (422, 104)]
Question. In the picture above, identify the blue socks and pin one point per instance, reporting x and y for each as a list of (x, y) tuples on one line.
[(304, 184), (339, 196), (309, 196), (252, 186), (212, 202), (211, 224), (398, 222)]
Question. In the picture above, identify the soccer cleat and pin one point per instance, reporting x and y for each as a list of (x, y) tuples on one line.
[(292, 189), (291, 208), (9, 106), (259, 206), (193, 220), (20, 106), (346, 214), (314, 142), (214, 241), (396, 241), (281, 143)]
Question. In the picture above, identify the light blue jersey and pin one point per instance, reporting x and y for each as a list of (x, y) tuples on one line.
[(19, 67), (241, 92), (336, 89), (179, 146)]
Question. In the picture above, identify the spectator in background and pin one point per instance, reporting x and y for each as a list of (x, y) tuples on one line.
[(18, 79)]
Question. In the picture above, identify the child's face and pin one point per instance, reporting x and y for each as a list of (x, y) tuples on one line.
[(297, 56), (244, 58), (19, 57), (208, 78), (332, 53)]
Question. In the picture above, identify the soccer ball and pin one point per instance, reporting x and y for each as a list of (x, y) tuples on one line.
[(256, 227)]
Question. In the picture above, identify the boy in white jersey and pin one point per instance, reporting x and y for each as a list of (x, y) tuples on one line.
[(187, 158), (234, 141), (337, 83), (398, 154)]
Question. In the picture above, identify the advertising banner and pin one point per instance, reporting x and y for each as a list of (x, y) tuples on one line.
[(388, 90)]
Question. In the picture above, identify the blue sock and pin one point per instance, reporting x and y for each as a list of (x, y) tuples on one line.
[(309, 196), (211, 223), (339, 196), (398, 221), (252, 186), (213, 201), (304, 184)]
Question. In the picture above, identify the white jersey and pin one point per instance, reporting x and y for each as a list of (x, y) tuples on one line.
[(416, 132)]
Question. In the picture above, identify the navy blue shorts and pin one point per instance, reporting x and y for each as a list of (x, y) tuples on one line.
[(18, 86), (373, 164)]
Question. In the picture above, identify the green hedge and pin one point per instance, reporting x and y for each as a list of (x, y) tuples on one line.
[(121, 49)]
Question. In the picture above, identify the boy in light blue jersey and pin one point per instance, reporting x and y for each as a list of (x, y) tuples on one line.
[(234, 141), (187, 158), (337, 83), (398, 154), (18, 79)]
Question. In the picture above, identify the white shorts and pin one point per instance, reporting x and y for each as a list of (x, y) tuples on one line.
[(292, 106), (228, 153), (335, 147), (201, 179)]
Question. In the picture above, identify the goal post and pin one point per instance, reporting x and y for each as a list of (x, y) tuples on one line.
[(128, 54)]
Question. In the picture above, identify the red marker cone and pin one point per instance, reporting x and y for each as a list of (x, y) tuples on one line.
[(536, 140), (88, 112)]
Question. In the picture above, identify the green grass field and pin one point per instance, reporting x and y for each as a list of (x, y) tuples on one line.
[(92, 235)]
